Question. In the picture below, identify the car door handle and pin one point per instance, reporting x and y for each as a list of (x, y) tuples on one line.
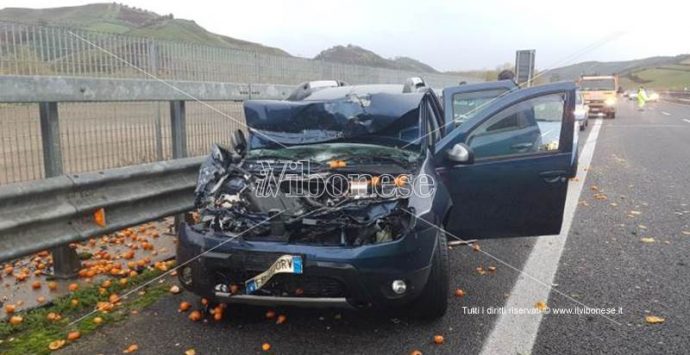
[(521, 146), (553, 176)]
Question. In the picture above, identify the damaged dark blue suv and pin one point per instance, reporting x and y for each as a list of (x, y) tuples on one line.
[(346, 196)]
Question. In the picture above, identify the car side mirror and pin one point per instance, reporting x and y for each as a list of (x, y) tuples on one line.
[(461, 153), (239, 142)]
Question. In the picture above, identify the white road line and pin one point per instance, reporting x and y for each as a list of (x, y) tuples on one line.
[(516, 333), (686, 120), (665, 113)]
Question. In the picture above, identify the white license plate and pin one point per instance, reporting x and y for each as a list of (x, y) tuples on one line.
[(286, 264)]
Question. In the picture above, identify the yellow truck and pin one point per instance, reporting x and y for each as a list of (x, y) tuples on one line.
[(599, 94)]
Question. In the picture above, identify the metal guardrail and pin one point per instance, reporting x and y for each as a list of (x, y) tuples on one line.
[(56, 211), (27, 89), (681, 97), (110, 123)]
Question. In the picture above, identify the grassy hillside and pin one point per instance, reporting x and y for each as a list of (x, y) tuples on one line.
[(414, 65), (352, 54), (656, 72), (658, 78), (122, 19)]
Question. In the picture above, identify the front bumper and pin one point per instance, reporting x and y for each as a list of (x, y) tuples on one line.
[(596, 108), (333, 276)]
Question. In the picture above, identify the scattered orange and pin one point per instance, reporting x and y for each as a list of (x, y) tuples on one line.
[(16, 320), (130, 349), (97, 320), (184, 306), (459, 292), (57, 344), (52, 316), (36, 285), (52, 285), (10, 308), (281, 319), (73, 287), (195, 316), (265, 346), (438, 339), (415, 352), (72, 336), (270, 314)]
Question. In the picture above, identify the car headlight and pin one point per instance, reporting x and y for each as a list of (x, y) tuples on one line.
[(610, 101)]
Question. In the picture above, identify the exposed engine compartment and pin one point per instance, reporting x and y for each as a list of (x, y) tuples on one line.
[(309, 207)]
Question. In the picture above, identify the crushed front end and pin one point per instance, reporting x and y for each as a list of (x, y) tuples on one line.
[(354, 236)]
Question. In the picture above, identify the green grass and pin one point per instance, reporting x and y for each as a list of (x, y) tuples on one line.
[(107, 27), (34, 334), (659, 78), (120, 19)]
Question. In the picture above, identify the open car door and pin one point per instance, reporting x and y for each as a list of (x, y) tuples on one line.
[(507, 166)]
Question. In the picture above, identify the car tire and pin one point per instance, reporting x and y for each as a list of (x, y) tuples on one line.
[(433, 302)]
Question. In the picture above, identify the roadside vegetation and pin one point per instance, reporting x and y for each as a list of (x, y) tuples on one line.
[(44, 329)]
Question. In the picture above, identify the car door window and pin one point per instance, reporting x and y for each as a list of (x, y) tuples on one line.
[(529, 127), (467, 104)]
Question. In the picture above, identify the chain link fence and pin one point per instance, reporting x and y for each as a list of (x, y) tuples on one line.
[(47, 50), (97, 136)]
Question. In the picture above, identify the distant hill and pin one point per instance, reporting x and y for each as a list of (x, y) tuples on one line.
[(664, 72), (127, 20), (123, 19), (352, 54), (670, 72)]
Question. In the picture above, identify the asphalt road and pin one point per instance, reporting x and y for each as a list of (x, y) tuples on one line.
[(641, 163)]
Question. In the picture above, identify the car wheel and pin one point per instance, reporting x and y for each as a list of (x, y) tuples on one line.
[(433, 302)]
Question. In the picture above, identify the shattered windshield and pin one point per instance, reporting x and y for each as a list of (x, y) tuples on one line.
[(384, 119)]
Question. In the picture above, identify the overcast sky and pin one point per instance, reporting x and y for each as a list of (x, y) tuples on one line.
[(445, 34)]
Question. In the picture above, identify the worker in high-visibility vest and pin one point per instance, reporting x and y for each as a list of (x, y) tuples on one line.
[(641, 98)]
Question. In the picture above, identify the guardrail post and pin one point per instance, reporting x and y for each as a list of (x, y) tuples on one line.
[(179, 129), (178, 126), (66, 262)]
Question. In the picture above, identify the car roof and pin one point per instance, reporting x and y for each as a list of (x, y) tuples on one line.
[(343, 91)]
